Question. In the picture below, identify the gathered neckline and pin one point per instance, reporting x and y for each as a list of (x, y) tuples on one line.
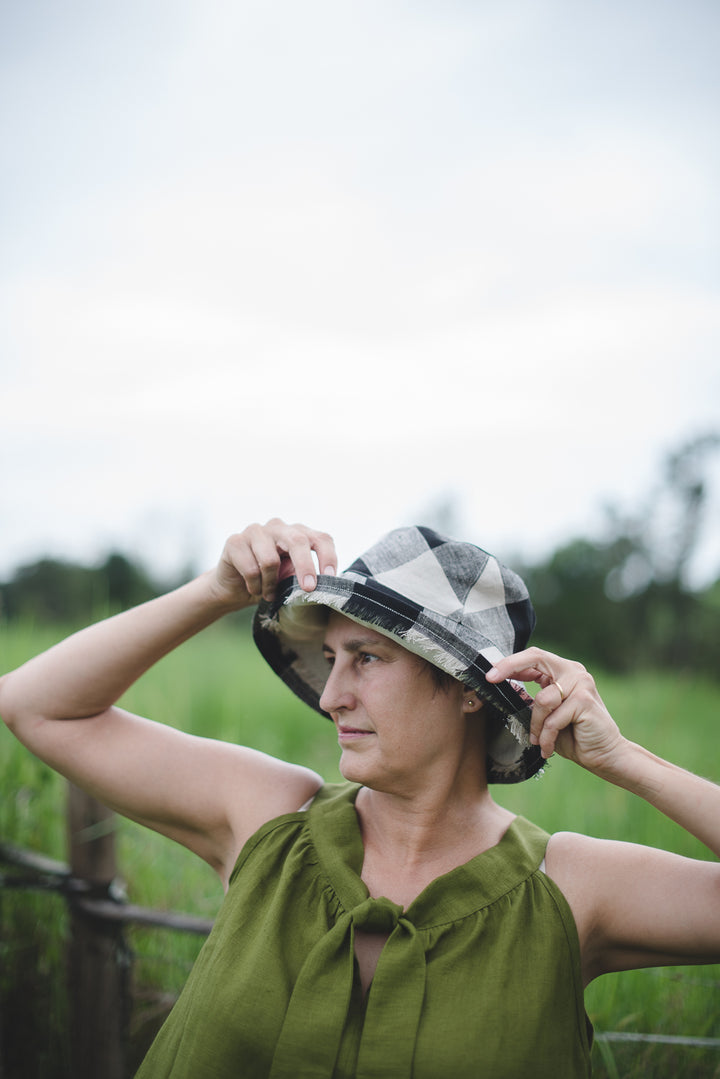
[(335, 834)]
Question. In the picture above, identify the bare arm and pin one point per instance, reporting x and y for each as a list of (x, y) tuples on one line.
[(634, 906), (207, 795)]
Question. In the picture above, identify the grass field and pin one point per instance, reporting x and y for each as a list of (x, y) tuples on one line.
[(216, 685)]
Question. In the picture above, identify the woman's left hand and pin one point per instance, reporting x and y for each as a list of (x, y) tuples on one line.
[(568, 714)]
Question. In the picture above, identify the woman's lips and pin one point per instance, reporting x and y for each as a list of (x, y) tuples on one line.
[(349, 734)]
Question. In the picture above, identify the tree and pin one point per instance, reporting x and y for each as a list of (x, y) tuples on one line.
[(625, 600), (53, 590)]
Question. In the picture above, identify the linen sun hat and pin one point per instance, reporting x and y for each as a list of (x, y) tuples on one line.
[(447, 601)]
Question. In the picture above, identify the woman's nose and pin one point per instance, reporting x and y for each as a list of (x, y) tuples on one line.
[(336, 695)]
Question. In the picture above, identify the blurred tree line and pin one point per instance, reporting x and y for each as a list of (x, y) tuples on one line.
[(620, 601), (54, 590), (625, 600)]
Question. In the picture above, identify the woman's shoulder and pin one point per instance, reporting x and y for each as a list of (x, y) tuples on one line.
[(573, 856), (329, 795)]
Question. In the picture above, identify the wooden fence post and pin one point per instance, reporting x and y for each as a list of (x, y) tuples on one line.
[(98, 966)]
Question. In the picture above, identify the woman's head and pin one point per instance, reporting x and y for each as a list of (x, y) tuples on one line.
[(401, 722), (450, 603)]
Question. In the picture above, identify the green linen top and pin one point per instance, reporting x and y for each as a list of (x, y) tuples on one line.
[(480, 975)]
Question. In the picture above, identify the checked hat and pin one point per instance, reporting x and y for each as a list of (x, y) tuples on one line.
[(447, 601)]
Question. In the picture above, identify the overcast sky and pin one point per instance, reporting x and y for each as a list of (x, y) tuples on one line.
[(340, 261)]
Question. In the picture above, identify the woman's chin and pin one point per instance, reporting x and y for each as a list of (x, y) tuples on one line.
[(354, 770)]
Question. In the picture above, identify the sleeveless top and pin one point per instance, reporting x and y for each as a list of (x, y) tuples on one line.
[(480, 975)]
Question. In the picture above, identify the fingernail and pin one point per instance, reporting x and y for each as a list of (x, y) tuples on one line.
[(330, 571), (308, 582), (492, 673)]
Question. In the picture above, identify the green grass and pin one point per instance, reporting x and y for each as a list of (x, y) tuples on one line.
[(217, 685)]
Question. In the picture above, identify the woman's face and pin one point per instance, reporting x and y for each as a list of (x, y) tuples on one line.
[(394, 725)]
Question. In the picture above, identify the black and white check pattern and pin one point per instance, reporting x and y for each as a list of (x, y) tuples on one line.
[(450, 602)]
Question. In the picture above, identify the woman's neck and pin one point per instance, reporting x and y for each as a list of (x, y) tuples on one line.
[(409, 842)]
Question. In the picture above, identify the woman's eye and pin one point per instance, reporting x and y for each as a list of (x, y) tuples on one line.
[(366, 657)]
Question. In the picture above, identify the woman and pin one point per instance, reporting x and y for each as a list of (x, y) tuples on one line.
[(402, 923)]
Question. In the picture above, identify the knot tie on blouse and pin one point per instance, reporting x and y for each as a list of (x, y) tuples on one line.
[(317, 1010), (376, 915)]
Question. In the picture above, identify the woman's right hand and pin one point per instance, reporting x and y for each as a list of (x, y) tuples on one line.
[(255, 560)]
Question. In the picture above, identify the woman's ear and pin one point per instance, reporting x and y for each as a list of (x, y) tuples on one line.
[(471, 701)]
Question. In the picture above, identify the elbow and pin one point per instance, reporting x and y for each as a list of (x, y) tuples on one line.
[(9, 710), (3, 684), (6, 714), (715, 878)]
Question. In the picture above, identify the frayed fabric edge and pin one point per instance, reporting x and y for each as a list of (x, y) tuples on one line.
[(518, 731)]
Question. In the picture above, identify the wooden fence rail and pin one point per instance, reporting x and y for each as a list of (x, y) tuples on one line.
[(47, 875)]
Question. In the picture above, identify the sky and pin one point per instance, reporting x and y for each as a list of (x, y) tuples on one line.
[(350, 263)]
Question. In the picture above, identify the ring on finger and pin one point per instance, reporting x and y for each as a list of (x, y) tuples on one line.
[(562, 692)]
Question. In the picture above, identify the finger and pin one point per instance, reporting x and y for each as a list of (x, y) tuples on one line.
[(544, 719), (238, 563), (268, 556), (256, 558), (298, 545), (324, 546), (533, 665), (530, 660), (551, 728), (293, 543)]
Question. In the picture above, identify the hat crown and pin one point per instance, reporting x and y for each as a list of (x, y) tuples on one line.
[(456, 580)]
